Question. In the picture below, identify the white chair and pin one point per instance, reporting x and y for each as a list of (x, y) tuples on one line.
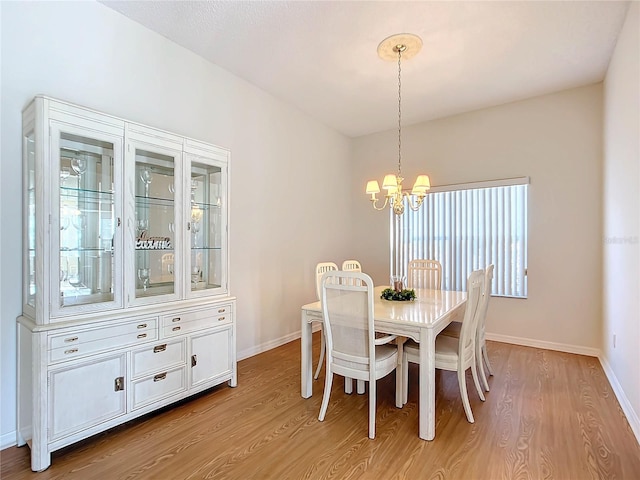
[(321, 268), (453, 329), (423, 273), (454, 354), (351, 266), (353, 350)]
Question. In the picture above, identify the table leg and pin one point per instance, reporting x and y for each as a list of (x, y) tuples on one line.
[(427, 408), (306, 366)]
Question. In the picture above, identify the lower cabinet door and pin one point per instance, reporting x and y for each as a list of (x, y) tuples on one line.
[(210, 357), (86, 394)]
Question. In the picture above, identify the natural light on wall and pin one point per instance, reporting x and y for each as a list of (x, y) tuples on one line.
[(467, 227)]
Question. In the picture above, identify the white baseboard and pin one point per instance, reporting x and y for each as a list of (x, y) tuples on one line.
[(632, 416), (8, 440), (559, 347), (255, 350)]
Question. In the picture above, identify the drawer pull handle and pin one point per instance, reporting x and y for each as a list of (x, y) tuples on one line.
[(70, 351), (71, 339), (221, 319), (194, 360), (160, 376), (176, 319), (175, 329), (142, 325), (142, 335), (222, 310), (119, 384), (160, 348)]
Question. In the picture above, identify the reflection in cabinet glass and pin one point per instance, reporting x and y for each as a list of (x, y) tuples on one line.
[(205, 226), (155, 224)]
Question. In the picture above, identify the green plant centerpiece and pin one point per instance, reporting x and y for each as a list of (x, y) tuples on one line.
[(400, 296)]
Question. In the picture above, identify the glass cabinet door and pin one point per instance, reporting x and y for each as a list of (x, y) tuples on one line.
[(207, 227), (29, 150), (156, 265), (88, 218)]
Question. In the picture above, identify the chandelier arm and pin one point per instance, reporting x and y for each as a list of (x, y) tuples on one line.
[(418, 203), (374, 202)]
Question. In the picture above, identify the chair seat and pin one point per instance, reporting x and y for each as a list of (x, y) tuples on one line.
[(452, 330), (446, 351), (386, 360)]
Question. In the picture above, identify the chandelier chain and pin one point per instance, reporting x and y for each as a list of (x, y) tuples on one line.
[(399, 112)]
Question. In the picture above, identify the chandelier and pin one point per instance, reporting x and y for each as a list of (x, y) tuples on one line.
[(392, 48)]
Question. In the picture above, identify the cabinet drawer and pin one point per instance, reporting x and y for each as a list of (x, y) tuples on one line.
[(183, 322), (102, 344), (156, 387), (146, 325), (158, 357)]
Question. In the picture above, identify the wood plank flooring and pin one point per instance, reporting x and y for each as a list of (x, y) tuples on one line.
[(549, 415)]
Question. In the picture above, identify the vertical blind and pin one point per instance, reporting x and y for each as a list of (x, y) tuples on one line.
[(467, 228)]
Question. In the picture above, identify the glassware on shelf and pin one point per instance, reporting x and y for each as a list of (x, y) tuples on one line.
[(79, 221), (142, 225), (195, 275), (79, 164), (75, 280), (64, 174), (64, 222), (64, 270), (145, 176), (143, 276)]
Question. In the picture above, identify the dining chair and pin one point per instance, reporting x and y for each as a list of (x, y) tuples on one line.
[(321, 268), (353, 349), (454, 354), (453, 330), (351, 266), (422, 273)]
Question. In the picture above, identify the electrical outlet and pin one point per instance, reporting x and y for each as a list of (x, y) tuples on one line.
[(614, 340)]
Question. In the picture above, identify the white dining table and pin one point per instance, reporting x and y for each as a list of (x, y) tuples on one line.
[(421, 319)]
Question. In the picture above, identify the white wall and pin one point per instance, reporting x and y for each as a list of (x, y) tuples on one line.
[(88, 54), (621, 197), (556, 140)]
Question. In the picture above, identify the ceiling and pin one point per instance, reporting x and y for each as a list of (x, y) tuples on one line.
[(321, 57)]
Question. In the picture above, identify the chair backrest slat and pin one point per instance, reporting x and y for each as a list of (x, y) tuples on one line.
[(321, 268), (424, 273), (351, 266)]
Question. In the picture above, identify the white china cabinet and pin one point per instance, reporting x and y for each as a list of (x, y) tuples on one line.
[(125, 274)]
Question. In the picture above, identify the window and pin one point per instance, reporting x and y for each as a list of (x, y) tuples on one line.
[(467, 227)]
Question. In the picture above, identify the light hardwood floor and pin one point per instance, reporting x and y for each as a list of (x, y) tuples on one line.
[(548, 415)]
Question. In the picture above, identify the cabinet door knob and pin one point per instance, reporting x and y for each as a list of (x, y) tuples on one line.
[(160, 348), (194, 360), (160, 376)]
